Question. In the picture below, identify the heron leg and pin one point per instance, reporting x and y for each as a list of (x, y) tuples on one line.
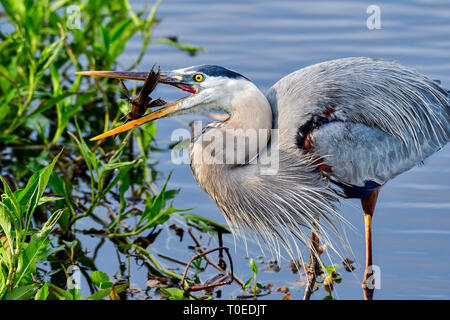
[(368, 206), (313, 266)]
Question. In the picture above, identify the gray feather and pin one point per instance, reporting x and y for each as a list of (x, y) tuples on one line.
[(385, 119)]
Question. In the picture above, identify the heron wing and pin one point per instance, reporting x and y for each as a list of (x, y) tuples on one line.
[(369, 119), (360, 158), (380, 94)]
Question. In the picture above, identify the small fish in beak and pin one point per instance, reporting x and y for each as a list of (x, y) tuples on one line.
[(139, 105)]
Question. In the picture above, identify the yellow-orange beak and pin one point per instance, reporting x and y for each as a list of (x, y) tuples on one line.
[(171, 108)]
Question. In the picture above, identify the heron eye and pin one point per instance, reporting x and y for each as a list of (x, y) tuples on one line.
[(198, 77)]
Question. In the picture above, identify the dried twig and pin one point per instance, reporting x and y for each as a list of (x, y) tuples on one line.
[(217, 283), (235, 278)]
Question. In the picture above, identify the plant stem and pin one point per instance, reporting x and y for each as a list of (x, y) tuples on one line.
[(254, 286), (155, 262)]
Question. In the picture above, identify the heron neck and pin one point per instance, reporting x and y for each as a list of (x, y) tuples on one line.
[(250, 110), (235, 142)]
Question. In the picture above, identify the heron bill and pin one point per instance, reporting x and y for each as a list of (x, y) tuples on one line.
[(160, 113)]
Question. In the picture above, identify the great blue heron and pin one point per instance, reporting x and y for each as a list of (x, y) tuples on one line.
[(345, 127)]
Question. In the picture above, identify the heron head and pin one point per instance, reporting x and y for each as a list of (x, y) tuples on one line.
[(212, 88)]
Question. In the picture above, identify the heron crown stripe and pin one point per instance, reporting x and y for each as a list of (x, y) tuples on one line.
[(218, 71)]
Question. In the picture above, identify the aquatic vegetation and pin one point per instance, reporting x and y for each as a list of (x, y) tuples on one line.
[(22, 246), (58, 189), (43, 205)]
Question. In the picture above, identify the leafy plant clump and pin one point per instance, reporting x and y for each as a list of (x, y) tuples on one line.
[(53, 182), (57, 189)]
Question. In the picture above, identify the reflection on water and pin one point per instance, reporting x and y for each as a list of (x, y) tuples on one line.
[(265, 40)]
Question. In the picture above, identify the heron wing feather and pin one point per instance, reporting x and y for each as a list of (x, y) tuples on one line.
[(359, 154), (380, 94)]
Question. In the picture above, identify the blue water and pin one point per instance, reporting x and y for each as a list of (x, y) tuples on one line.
[(265, 40)]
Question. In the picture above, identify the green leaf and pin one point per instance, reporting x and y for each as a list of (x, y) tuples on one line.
[(120, 287), (71, 245), (11, 197), (137, 22), (2, 282), (49, 55), (48, 199), (35, 249), (161, 217), (89, 157), (15, 10), (56, 79), (154, 205), (20, 293), (24, 195), (152, 13), (35, 187), (63, 188), (253, 266), (99, 295), (76, 294), (101, 279), (247, 283), (61, 293), (175, 294), (119, 176), (9, 212), (6, 228), (112, 166), (38, 190), (203, 223), (118, 30), (330, 269), (106, 38), (42, 294)]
